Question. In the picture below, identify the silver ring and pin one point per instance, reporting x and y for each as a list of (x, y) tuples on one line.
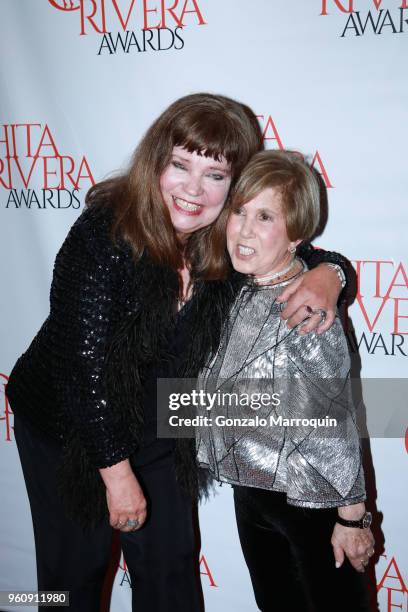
[(321, 312), (132, 523)]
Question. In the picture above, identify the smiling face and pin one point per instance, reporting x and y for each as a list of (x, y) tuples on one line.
[(257, 238), (194, 189)]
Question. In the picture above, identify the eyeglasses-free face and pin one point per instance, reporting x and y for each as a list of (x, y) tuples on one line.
[(194, 189)]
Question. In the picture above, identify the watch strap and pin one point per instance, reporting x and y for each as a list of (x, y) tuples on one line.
[(362, 523)]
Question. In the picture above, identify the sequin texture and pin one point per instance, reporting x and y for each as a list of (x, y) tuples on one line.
[(58, 384)]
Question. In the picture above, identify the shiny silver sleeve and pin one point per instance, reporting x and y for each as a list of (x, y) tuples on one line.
[(324, 463)]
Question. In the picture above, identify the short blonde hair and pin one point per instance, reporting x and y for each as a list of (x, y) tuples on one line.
[(297, 183)]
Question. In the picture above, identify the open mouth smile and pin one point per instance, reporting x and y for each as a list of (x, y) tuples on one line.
[(187, 207), (245, 251)]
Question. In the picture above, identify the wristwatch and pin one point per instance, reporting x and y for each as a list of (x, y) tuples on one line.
[(340, 273), (363, 523)]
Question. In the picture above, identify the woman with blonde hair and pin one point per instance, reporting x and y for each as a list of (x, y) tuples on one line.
[(136, 279)]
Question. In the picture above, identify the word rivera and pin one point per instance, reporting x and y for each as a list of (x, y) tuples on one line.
[(101, 16), (158, 23), (29, 153), (34, 170)]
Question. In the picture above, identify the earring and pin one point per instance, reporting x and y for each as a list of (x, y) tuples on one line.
[(292, 250)]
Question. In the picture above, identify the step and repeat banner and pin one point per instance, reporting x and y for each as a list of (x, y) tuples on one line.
[(81, 81)]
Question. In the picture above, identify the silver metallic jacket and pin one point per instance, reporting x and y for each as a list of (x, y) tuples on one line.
[(308, 444)]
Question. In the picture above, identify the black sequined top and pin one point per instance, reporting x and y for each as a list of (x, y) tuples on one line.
[(58, 383)]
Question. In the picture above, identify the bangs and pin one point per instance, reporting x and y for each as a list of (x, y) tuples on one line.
[(208, 134), (250, 186), (294, 182)]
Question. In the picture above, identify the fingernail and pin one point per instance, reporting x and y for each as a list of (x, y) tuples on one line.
[(337, 564)]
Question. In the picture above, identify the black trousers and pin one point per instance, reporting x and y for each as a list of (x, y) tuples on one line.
[(290, 559), (161, 557)]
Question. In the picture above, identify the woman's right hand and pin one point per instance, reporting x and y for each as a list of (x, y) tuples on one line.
[(124, 496)]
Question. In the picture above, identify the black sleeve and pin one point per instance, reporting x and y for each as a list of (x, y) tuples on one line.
[(313, 257), (84, 310)]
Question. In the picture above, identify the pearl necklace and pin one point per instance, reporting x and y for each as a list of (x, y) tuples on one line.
[(267, 279)]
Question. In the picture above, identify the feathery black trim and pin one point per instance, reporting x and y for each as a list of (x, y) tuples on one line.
[(141, 340)]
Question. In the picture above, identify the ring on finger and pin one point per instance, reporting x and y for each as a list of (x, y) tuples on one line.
[(321, 312), (134, 523)]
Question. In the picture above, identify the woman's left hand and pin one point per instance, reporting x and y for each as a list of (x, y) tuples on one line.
[(352, 542), (355, 544), (315, 290)]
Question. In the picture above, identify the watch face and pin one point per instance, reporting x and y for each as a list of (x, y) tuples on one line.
[(367, 518)]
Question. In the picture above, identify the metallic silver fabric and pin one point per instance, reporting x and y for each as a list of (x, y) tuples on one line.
[(317, 467)]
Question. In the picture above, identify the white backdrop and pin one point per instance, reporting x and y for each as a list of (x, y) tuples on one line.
[(81, 82)]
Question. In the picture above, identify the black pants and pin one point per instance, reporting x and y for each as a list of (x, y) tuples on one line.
[(290, 558), (160, 557)]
